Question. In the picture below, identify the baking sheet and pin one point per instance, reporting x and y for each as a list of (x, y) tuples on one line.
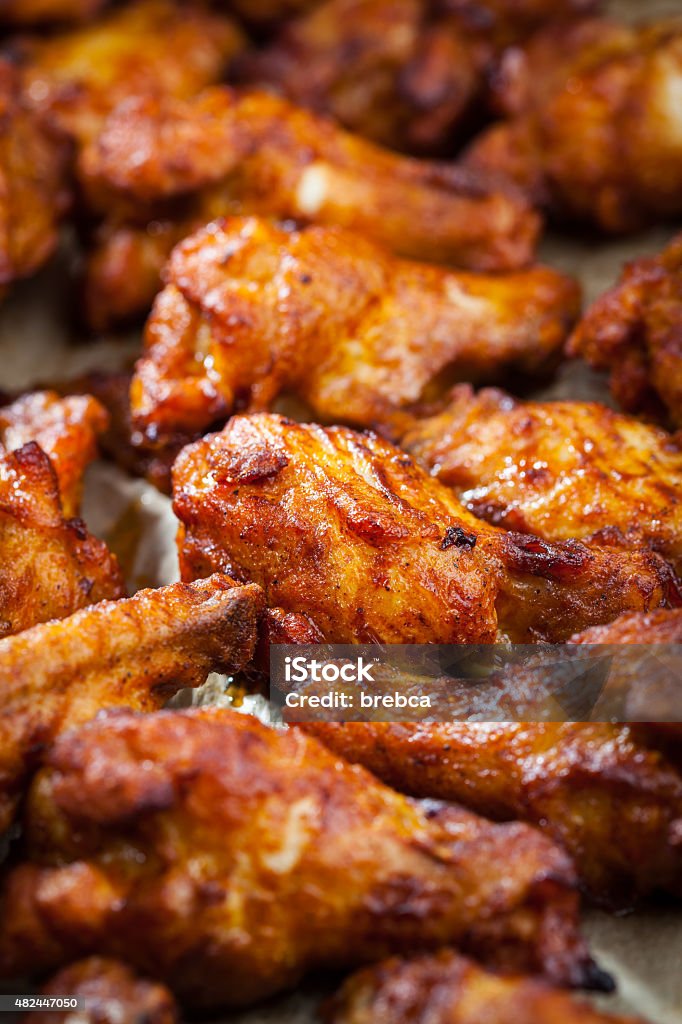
[(37, 343)]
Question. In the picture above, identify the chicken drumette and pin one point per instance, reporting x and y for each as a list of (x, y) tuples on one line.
[(594, 124), (161, 169), (133, 653), (448, 989), (227, 859), (407, 74), (251, 310), (635, 332), (555, 469), (345, 529)]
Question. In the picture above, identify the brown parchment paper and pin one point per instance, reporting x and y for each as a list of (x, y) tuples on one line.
[(38, 344)]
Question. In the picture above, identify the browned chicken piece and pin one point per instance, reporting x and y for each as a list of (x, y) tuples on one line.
[(132, 653), (207, 849), (251, 310), (66, 429), (594, 130), (51, 566), (593, 787), (37, 12), (147, 48), (160, 169), (634, 331), (446, 988), (555, 469), (663, 626), (405, 73), (33, 188), (112, 992), (345, 529)]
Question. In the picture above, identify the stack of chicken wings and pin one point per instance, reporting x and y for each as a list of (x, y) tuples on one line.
[(322, 219)]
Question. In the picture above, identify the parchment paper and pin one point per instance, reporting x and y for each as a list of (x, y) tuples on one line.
[(37, 344)]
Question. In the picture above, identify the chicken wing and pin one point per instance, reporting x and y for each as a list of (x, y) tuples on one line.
[(406, 74), (614, 805), (167, 167), (33, 186), (51, 566), (146, 48), (555, 469), (345, 529), (132, 653), (446, 988), (635, 332), (227, 859), (37, 12), (251, 310), (594, 130), (66, 429), (112, 992)]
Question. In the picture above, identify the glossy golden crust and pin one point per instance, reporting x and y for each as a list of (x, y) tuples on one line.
[(37, 12), (224, 153), (114, 994), (66, 429), (663, 626), (634, 331), (132, 653), (346, 529), (51, 566), (251, 311), (208, 848), (448, 989), (406, 74), (614, 805), (594, 129), (147, 48), (555, 469), (33, 186)]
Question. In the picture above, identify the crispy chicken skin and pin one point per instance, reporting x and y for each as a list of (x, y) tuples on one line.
[(446, 988), (38, 12), (66, 429), (634, 331), (206, 849), (555, 469), (51, 566), (594, 128), (33, 187), (162, 168), (114, 994), (345, 529), (405, 74), (132, 653), (613, 804), (146, 48), (251, 310)]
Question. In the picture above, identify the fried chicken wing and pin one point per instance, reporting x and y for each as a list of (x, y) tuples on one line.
[(160, 169), (251, 310), (66, 429), (34, 193), (594, 130), (113, 994), (146, 48), (634, 331), (446, 988), (614, 805), (406, 74), (345, 529), (555, 469), (207, 850), (37, 12), (132, 653), (51, 566)]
